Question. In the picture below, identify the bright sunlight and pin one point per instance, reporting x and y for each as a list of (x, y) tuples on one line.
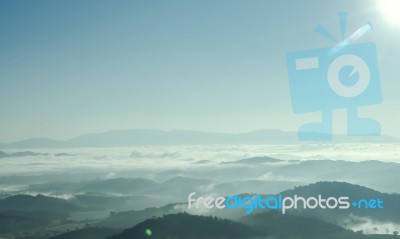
[(391, 10)]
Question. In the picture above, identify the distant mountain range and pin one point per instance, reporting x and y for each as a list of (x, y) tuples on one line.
[(138, 137)]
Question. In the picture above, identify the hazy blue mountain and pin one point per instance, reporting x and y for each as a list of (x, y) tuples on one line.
[(253, 186), (26, 203), (175, 189), (20, 154), (177, 137), (58, 187), (63, 155), (175, 186), (255, 160), (121, 186), (378, 175), (127, 194), (101, 202), (128, 219), (126, 186), (34, 143), (180, 187), (29, 153)]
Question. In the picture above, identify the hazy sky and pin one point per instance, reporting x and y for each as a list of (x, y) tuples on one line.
[(70, 67)]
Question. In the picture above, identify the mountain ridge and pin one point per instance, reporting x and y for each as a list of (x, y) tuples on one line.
[(142, 137)]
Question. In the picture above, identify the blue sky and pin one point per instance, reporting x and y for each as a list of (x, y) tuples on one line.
[(73, 67)]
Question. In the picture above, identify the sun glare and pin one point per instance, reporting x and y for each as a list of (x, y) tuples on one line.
[(390, 10)]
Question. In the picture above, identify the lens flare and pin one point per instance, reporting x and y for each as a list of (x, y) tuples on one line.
[(149, 232), (345, 41), (353, 37)]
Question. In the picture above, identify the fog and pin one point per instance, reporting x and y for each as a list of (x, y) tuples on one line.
[(110, 161)]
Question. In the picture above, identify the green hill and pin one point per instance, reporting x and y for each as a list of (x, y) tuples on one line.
[(262, 225), (13, 221), (185, 226), (88, 233)]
